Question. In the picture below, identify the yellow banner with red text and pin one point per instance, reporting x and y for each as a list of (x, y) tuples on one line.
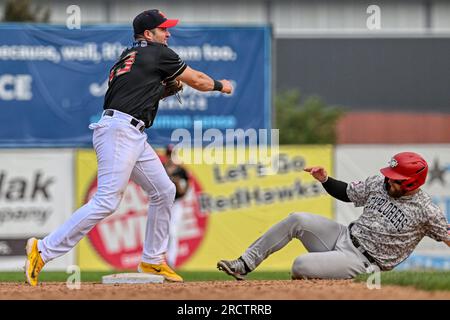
[(227, 207)]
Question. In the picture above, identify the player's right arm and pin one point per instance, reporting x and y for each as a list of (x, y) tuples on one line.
[(202, 82), (335, 188)]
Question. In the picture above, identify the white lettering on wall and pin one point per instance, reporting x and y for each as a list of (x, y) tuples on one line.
[(15, 87)]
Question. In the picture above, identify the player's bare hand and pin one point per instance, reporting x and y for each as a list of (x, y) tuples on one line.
[(319, 173), (227, 87)]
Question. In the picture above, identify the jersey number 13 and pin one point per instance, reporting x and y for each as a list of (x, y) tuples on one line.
[(122, 66)]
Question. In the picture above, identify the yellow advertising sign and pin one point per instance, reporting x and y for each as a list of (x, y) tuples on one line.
[(228, 207)]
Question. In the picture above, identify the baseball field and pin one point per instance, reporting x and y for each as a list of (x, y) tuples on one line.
[(403, 285)]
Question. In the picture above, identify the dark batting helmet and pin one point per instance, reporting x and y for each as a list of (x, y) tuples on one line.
[(409, 168)]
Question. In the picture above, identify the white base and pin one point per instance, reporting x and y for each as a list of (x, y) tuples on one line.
[(132, 278)]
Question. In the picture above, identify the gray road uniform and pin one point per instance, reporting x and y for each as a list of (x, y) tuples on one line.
[(384, 235)]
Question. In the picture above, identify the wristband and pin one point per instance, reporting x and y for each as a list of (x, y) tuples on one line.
[(218, 86)]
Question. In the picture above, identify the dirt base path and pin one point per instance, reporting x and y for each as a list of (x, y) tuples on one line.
[(218, 290)]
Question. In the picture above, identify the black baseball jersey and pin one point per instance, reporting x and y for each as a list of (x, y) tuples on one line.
[(135, 86)]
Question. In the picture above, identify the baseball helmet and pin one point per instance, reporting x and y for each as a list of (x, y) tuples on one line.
[(409, 168)]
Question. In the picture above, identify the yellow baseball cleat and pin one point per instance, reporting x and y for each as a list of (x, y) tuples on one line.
[(34, 263), (160, 270)]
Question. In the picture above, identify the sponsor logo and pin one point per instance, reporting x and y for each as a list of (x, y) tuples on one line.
[(23, 199)]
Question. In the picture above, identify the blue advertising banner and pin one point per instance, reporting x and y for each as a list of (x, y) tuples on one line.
[(53, 81)]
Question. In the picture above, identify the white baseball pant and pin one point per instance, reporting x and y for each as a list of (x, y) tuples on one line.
[(175, 226), (122, 152)]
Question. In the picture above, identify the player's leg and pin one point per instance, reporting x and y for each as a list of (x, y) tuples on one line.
[(318, 234), (328, 265), (175, 221), (117, 147), (150, 174)]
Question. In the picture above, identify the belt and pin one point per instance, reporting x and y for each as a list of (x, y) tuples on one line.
[(360, 248), (134, 122)]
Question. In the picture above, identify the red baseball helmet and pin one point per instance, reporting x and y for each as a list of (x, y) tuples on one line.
[(409, 167)]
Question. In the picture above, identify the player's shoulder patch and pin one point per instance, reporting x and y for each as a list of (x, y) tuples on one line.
[(355, 184)]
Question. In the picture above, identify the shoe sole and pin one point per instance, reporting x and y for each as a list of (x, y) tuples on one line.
[(28, 249), (165, 278), (222, 266)]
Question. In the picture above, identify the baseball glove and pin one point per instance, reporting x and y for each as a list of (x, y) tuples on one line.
[(172, 87)]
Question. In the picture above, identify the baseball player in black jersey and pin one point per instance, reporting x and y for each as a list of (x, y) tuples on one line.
[(397, 215), (136, 84)]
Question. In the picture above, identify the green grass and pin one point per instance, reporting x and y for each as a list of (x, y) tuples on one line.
[(424, 280), (92, 276)]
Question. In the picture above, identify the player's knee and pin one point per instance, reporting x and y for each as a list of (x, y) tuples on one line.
[(111, 205), (301, 269), (165, 195), (107, 204), (169, 194), (172, 192), (298, 219)]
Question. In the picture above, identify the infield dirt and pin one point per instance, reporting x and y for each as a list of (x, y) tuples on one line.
[(218, 290)]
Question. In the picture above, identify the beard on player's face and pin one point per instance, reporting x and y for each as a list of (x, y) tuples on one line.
[(394, 192)]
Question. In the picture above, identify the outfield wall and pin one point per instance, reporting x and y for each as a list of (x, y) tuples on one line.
[(53, 81), (226, 209), (36, 196)]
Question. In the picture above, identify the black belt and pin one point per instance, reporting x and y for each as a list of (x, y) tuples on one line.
[(360, 248), (134, 122)]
